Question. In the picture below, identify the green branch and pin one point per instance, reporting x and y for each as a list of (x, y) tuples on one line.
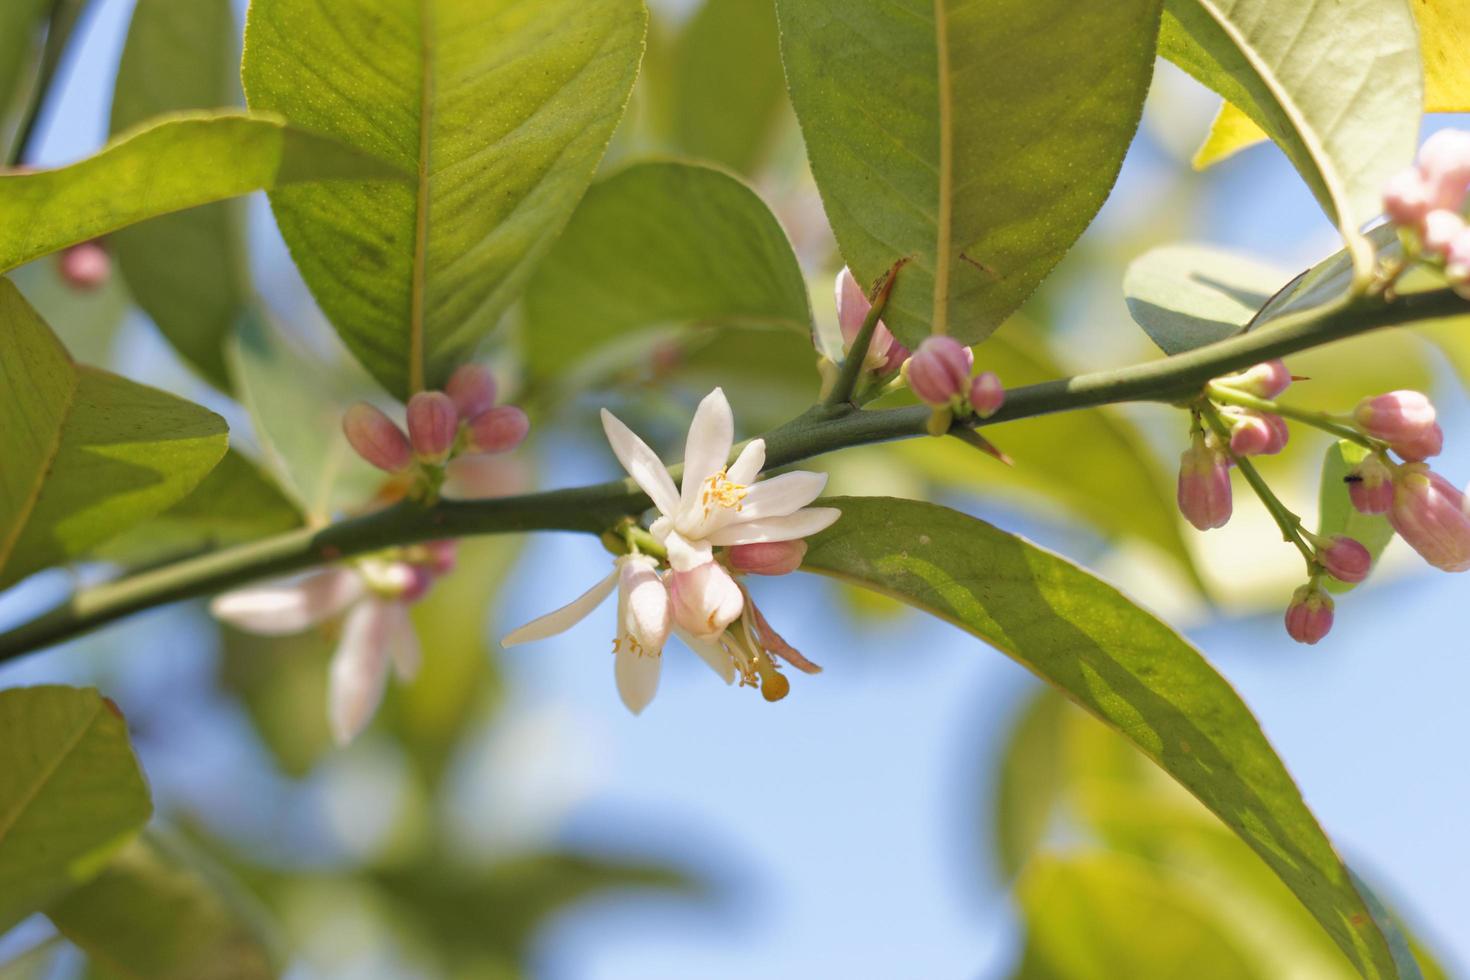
[(594, 509)]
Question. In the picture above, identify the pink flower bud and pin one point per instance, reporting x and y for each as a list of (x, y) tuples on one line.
[(1457, 258), (1370, 486), (1444, 163), (472, 389), (1256, 433), (939, 371), (442, 555), (1441, 227), (705, 599), (376, 438), (885, 353), (1204, 486), (1406, 198), (987, 394), (1345, 558), (1265, 380), (432, 425), (86, 266), (498, 430), (1429, 513), (419, 579), (1404, 420), (769, 558), (1309, 617)]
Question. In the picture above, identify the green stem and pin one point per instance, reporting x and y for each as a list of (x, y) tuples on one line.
[(855, 362), (593, 509), (1290, 523), (1321, 420)]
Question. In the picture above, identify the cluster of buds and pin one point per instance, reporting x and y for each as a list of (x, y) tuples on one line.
[(1204, 468), (442, 425), (682, 576), (1427, 200), (938, 373), (376, 593)]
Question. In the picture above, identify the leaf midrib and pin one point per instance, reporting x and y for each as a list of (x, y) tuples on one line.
[(421, 217), (943, 231), (23, 518), (9, 820)]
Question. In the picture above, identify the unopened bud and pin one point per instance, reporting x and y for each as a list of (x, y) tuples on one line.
[(432, 425), (1345, 558), (85, 267), (1265, 380), (768, 558), (498, 430), (1403, 419), (442, 555), (1406, 198), (705, 599), (472, 389), (376, 438), (1257, 433), (987, 394), (1370, 486), (1309, 617), (1204, 486), (1444, 163), (1429, 513), (1441, 227), (939, 371), (885, 353)]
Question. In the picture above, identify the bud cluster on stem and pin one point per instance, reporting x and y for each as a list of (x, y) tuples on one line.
[(1427, 200)]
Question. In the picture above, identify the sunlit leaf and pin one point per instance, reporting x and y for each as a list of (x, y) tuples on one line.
[(87, 454), (188, 270), (161, 910), (71, 793), (1231, 132), (1118, 661), (1337, 86), (500, 109), (658, 245), (1338, 515), (976, 139), (176, 162), (1186, 296)]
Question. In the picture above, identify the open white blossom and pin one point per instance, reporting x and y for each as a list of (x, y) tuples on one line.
[(718, 505)]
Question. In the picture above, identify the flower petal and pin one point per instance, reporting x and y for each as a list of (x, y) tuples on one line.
[(563, 619), (780, 496), (749, 463), (712, 653), (644, 609), (810, 520), (642, 463), (403, 641), (291, 605), (637, 677), (711, 434), (359, 670), (685, 554)]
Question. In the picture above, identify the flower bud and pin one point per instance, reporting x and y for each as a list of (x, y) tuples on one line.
[(1370, 486), (1429, 513), (1256, 433), (1404, 420), (768, 558), (85, 267), (376, 438), (885, 353), (1444, 163), (1441, 227), (498, 430), (472, 389), (1265, 380), (939, 371), (432, 425), (442, 555), (1406, 198), (1345, 558), (1204, 486), (1309, 617), (705, 599), (987, 394)]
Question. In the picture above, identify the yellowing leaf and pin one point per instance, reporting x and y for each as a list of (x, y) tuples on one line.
[(1231, 132)]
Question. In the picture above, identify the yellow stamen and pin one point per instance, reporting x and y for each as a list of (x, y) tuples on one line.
[(719, 491)]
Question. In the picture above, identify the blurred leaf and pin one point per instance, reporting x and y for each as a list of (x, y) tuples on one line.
[(161, 911), (1231, 132), (1345, 130), (1339, 516), (1326, 284), (977, 139), (1029, 781), (22, 24), (1095, 463), (87, 454), (86, 321), (1397, 941), (725, 83), (235, 503), (1103, 916), (1118, 661), (71, 793), (657, 245), (177, 162), (300, 425), (1186, 296), (513, 103), (37, 963), (282, 683), (187, 271)]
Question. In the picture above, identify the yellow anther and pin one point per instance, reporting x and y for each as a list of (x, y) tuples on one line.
[(719, 491)]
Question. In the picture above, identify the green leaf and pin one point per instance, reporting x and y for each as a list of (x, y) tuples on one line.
[(1029, 782), (1346, 128), (87, 454), (22, 23), (658, 245), (187, 271), (976, 139), (71, 793), (161, 910), (725, 83), (236, 503), (1117, 661), (1103, 916), (501, 109), (178, 162), (1186, 296), (1339, 516)]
